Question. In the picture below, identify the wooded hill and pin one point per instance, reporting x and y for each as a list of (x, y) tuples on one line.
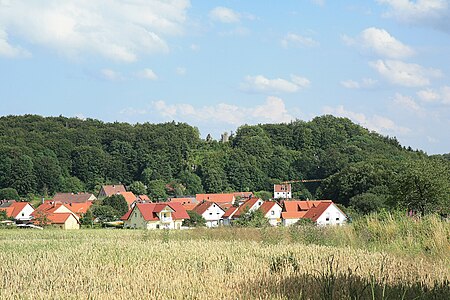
[(40, 156)]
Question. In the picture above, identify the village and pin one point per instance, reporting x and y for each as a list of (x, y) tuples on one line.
[(65, 210)]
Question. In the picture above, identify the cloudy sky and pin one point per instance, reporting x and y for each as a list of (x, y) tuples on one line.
[(385, 64)]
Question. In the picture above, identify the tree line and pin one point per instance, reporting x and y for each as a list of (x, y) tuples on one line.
[(359, 168)]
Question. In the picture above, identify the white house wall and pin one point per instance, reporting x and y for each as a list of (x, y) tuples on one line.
[(274, 215), (213, 215), (25, 213), (331, 216)]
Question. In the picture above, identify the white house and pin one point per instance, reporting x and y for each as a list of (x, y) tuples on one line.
[(20, 211), (282, 191), (272, 211), (155, 216), (247, 206), (211, 212), (321, 212)]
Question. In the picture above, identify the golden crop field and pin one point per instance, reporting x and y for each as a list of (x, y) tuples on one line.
[(127, 264)]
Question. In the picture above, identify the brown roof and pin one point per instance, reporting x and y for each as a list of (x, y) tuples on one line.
[(144, 198), (315, 212), (281, 188), (73, 198), (218, 198), (113, 189)]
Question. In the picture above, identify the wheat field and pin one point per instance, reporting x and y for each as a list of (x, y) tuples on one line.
[(121, 264)]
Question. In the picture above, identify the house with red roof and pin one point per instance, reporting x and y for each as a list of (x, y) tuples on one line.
[(321, 212), (109, 190), (57, 214), (130, 198), (282, 191), (189, 203), (247, 206), (19, 211), (272, 211), (166, 215), (211, 212)]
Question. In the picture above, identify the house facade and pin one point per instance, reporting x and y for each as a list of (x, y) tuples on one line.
[(321, 212), (155, 216), (211, 212), (272, 211), (282, 191), (20, 211)]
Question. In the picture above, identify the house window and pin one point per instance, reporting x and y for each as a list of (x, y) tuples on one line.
[(23, 215), (272, 212), (259, 203), (210, 213), (337, 219), (327, 219), (135, 214)]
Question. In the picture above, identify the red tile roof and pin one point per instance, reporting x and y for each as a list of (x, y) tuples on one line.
[(150, 211), (267, 206), (230, 212), (297, 209), (79, 208), (202, 207), (218, 198), (129, 197), (59, 218), (144, 198), (73, 198), (14, 209), (245, 206), (315, 212)]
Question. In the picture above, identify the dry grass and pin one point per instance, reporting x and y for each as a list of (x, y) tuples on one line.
[(125, 264)]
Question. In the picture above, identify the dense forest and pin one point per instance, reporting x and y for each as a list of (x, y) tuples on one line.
[(361, 169)]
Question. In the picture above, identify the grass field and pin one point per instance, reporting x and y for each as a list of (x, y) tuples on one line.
[(226, 263)]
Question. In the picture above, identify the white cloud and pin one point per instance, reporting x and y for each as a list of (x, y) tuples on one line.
[(380, 42), (262, 84), (147, 74), (406, 102), (365, 83), (405, 74), (181, 71), (117, 30), (441, 95), (272, 110), (111, 75), (376, 123), (7, 50), (224, 15), (434, 13), (292, 39), (318, 2)]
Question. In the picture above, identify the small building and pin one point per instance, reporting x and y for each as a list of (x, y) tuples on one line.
[(211, 212), (272, 211), (228, 215), (109, 190), (64, 221), (19, 211), (58, 214), (74, 198), (282, 191), (155, 216), (321, 212)]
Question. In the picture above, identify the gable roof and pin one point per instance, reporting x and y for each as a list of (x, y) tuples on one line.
[(297, 209), (129, 197), (315, 212), (110, 190), (267, 206), (218, 198), (144, 198), (202, 207), (73, 198), (59, 218), (150, 211), (230, 212), (6, 203), (248, 204), (14, 208), (79, 208)]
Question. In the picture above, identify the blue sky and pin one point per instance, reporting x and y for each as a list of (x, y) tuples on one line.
[(216, 65)]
